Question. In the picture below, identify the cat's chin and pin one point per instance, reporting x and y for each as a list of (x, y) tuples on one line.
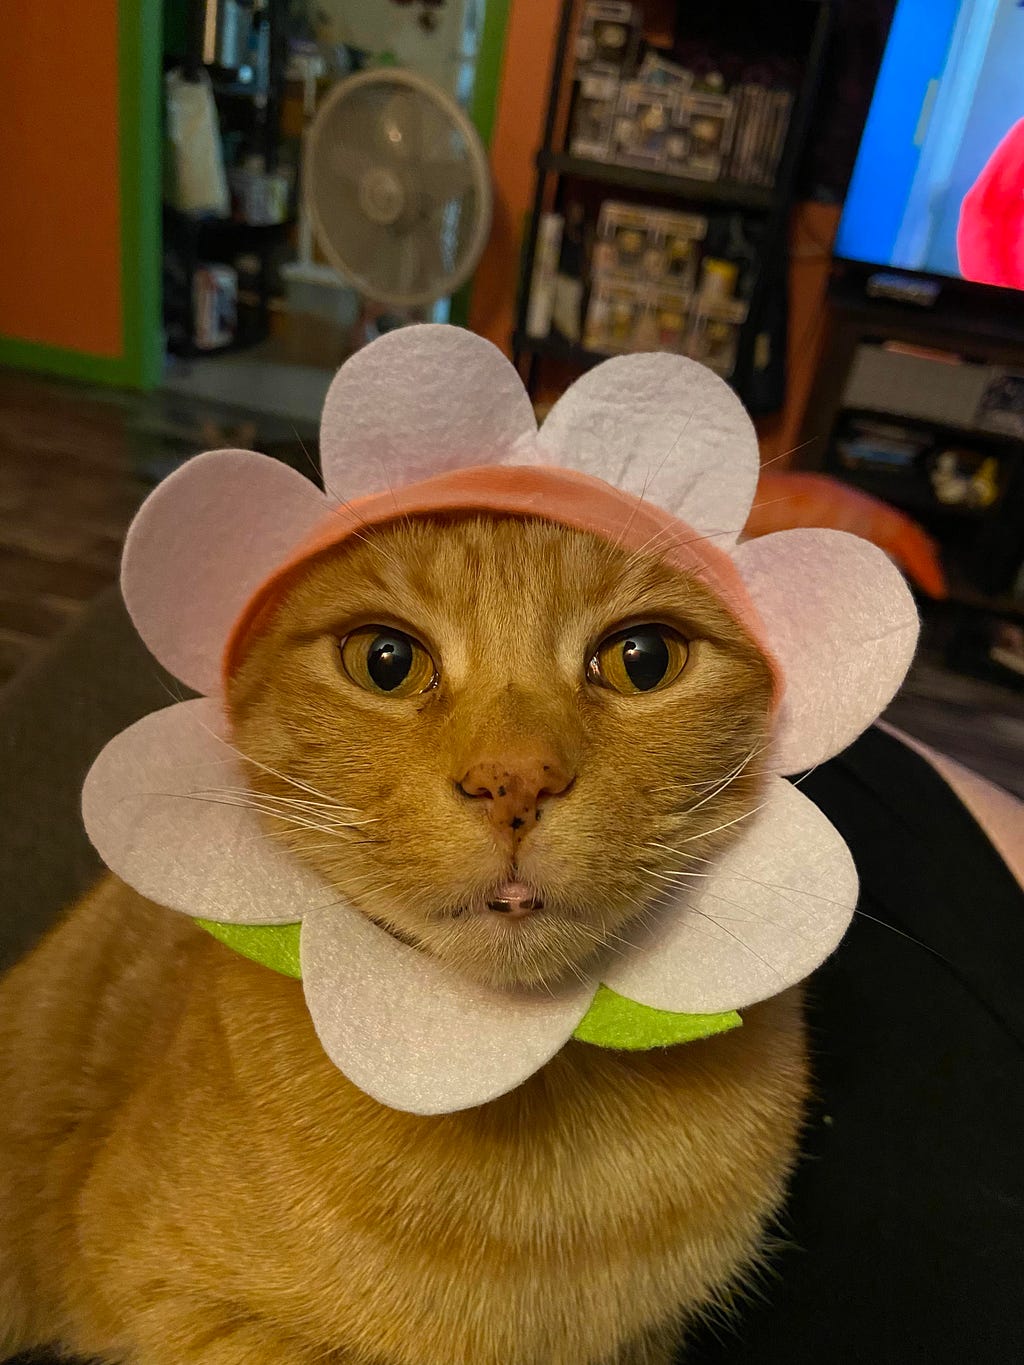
[(506, 952)]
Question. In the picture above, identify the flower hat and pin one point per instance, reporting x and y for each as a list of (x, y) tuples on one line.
[(653, 451)]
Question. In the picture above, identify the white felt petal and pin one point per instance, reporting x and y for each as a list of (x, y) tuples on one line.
[(771, 911), (417, 402), (412, 1033), (201, 544), (664, 428), (842, 624), (160, 808)]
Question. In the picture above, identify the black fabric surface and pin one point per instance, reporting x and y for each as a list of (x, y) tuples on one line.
[(906, 1218), (55, 717), (905, 1226)]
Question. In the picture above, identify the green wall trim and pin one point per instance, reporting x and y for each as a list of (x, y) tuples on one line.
[(139, 102), (483, 109), (140, 84), (97, 369)]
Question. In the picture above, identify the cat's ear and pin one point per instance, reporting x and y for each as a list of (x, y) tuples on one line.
[(420, 401), (200, 546), (663, 428), (841, 623)]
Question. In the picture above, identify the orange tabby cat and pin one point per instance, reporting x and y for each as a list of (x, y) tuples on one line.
[(186, 1179)]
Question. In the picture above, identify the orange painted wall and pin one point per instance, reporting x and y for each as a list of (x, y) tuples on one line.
[(60, 216), (812, 231), (518, 132)]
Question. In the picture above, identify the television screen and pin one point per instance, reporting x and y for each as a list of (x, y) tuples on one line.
[(938, 186)]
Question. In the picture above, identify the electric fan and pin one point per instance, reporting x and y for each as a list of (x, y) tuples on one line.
[(396, 188)]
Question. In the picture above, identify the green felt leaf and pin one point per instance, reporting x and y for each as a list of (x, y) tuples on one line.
[(272, 945), (613, 1021)]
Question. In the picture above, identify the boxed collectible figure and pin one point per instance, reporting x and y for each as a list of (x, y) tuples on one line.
[(627, 241), (594, 114), (657, 70), (715, 337), (618, 317), (680, 248), (700, 136), (645, 243), (609, 35), (644, 117), (670, 310)]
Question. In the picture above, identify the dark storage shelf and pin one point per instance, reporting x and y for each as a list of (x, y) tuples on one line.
[(723, 193), (910, 493), (555, 347), (766, 209), (208, 226), (243, 341)]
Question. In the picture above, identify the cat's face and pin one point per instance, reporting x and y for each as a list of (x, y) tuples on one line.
[(500, 738)]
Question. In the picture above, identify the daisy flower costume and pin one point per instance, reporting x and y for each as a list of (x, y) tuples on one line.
[(652, 452)]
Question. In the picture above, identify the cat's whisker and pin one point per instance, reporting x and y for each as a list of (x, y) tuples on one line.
[(322, 808), (264, 767), (652, 474), (717, 921), (256, 803), (752, 914), (676, 875), (343, 900), (337, 832), (728, 824), (670, 533), (728, 780), (795, 450), (704, 783)]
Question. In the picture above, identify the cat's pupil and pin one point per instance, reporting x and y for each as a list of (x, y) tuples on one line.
[(646, 659), (389, 661)]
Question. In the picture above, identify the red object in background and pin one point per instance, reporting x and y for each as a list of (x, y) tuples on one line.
[(990, 237), (786, 500)]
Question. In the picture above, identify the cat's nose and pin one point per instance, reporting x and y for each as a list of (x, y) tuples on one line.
[(513, 790)]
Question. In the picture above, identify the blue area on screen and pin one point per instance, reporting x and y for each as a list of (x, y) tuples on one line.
[(950, 89)]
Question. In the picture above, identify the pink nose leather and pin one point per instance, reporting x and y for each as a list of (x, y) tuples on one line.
[(513, 791)]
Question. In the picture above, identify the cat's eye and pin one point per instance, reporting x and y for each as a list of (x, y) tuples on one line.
[(643, 658), (387, 661)]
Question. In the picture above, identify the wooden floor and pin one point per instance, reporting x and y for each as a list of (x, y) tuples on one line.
[(75, 463)]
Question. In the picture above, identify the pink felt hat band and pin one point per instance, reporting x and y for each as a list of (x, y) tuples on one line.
[(557, 495)]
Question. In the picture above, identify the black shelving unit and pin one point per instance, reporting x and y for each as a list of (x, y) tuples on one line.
[(720, 193), (253, 114), (769, 207)]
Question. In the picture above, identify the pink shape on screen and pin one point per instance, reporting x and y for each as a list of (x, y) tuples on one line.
[(990, 237)]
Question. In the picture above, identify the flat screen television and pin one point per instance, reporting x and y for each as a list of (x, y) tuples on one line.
[(938, 185)]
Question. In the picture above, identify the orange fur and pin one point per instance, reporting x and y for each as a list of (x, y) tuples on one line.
[(186, 1179)]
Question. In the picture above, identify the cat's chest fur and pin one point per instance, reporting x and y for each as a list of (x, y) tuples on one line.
[(231, 1164), (596, 1198)]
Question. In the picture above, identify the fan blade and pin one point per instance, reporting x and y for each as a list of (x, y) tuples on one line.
[(433, 270), (356, 243), (349, 163), (408, 277), (440, 139), (442, 181)]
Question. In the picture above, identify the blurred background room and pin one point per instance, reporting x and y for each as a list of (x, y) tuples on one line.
[(209, 204)]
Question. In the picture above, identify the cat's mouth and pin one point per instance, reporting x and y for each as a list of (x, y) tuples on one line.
[(509, 934), (512, 899)]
